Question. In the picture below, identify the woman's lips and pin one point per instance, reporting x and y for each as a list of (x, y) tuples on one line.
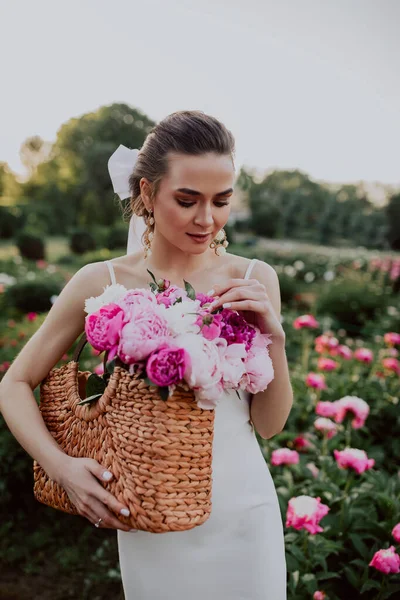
[(199, 238)]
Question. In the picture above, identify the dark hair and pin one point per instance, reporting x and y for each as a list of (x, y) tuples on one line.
[(190, 132)]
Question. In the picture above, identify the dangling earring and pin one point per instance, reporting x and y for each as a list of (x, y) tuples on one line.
[(220, 243), (148, 235)]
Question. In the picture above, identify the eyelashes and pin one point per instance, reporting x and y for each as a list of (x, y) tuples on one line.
[(188, 205)]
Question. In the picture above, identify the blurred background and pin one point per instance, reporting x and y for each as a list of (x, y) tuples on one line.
[(311, 92)]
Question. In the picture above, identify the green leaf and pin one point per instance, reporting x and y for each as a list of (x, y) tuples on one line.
[(152, 276), (149, 381), (164, 392), (190, 290), (154, 287), (370, 585), (95, 385), (90, 399)]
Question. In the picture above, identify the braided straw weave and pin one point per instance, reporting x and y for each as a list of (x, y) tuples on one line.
[(160, 452)]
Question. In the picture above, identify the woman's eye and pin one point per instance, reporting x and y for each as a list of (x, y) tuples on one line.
[(188, 205)]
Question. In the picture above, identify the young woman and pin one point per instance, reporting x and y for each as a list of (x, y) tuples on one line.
[(181, 184)]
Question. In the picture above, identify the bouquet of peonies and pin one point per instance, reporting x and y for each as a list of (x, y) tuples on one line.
[(170, 337)]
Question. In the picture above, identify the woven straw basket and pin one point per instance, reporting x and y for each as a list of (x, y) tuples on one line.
[(160, 452)]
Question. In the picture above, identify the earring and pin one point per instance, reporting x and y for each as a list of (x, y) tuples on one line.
[(220, 243), (148, 235)]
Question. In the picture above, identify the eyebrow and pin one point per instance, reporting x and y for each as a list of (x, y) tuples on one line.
[(196, 193)]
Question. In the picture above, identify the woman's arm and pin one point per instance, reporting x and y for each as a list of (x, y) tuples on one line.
[(270, 409), (63, 324)]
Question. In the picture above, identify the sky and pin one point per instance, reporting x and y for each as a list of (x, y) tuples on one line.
[(306, 84)]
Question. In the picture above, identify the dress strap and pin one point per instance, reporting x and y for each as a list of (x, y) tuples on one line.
[(112, 272), (250, 268)]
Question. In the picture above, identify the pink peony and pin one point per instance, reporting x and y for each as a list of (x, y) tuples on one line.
[(391, 338), (391, 364), (210, 325), (319, 595), (386, 561), (305, 321), (31, 316), (313, 468), (396, 533), (364, 355), (232, 363), (284, 456), (354, 405), (326, 409), (326, 343), (99, 369), (135, 297), (167, 365), (103, 328), (316, 380), (204, 299), (170, 295), (235, 328), (344, 352), (354, 459), (305, 512), (301, 443), (143, 334), (326, 426), (327, 364), (258, 364), (205, 373)]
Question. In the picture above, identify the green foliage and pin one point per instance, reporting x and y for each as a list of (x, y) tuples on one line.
[(81, 241), (117, 237), (32, 295), (352, 303), (10, 221), (393, 217), (30, 245)]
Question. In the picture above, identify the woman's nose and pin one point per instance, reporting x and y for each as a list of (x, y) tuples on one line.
[(204, 217)]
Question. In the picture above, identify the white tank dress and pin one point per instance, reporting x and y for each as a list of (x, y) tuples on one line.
[(238, 553)]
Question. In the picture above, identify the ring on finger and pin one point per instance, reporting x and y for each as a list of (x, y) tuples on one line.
[(98, 522)]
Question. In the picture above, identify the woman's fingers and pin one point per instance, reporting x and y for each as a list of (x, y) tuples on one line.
[(97, 509)]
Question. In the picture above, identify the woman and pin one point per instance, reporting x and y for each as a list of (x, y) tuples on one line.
[(181, 184)]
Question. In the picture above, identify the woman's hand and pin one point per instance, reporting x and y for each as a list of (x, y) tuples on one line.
[(79, 478), (250, 297)]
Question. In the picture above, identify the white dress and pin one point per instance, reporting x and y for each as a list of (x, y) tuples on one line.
[(238, 553)]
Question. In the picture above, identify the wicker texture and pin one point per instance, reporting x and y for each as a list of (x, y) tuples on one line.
[(160, 452)]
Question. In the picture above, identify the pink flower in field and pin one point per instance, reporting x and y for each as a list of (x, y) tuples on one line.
[(305, 512), (284, 456), (352, 404), (326, 426), (391, 364), (103, 328), (313, 468), (319, 595), (364, 355), (391, 338), (386, 560), (301, 443), (31, 316), (327, 364), (143, 333), (99, 369), (326, 343), (326, 409), (316, 380), (345, 352), (396, 533), (167, 365), (353, 458), (305, 321), (392, 352)]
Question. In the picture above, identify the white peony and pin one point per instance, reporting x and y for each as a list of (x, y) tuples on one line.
[(112, 293), (181, 317)]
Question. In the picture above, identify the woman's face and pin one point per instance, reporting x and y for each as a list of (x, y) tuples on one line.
[(194, 198)]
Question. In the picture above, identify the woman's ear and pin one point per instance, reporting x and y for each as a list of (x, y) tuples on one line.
[(145, 192)]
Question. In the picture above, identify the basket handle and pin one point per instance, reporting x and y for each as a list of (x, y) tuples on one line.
[(80, 346)]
